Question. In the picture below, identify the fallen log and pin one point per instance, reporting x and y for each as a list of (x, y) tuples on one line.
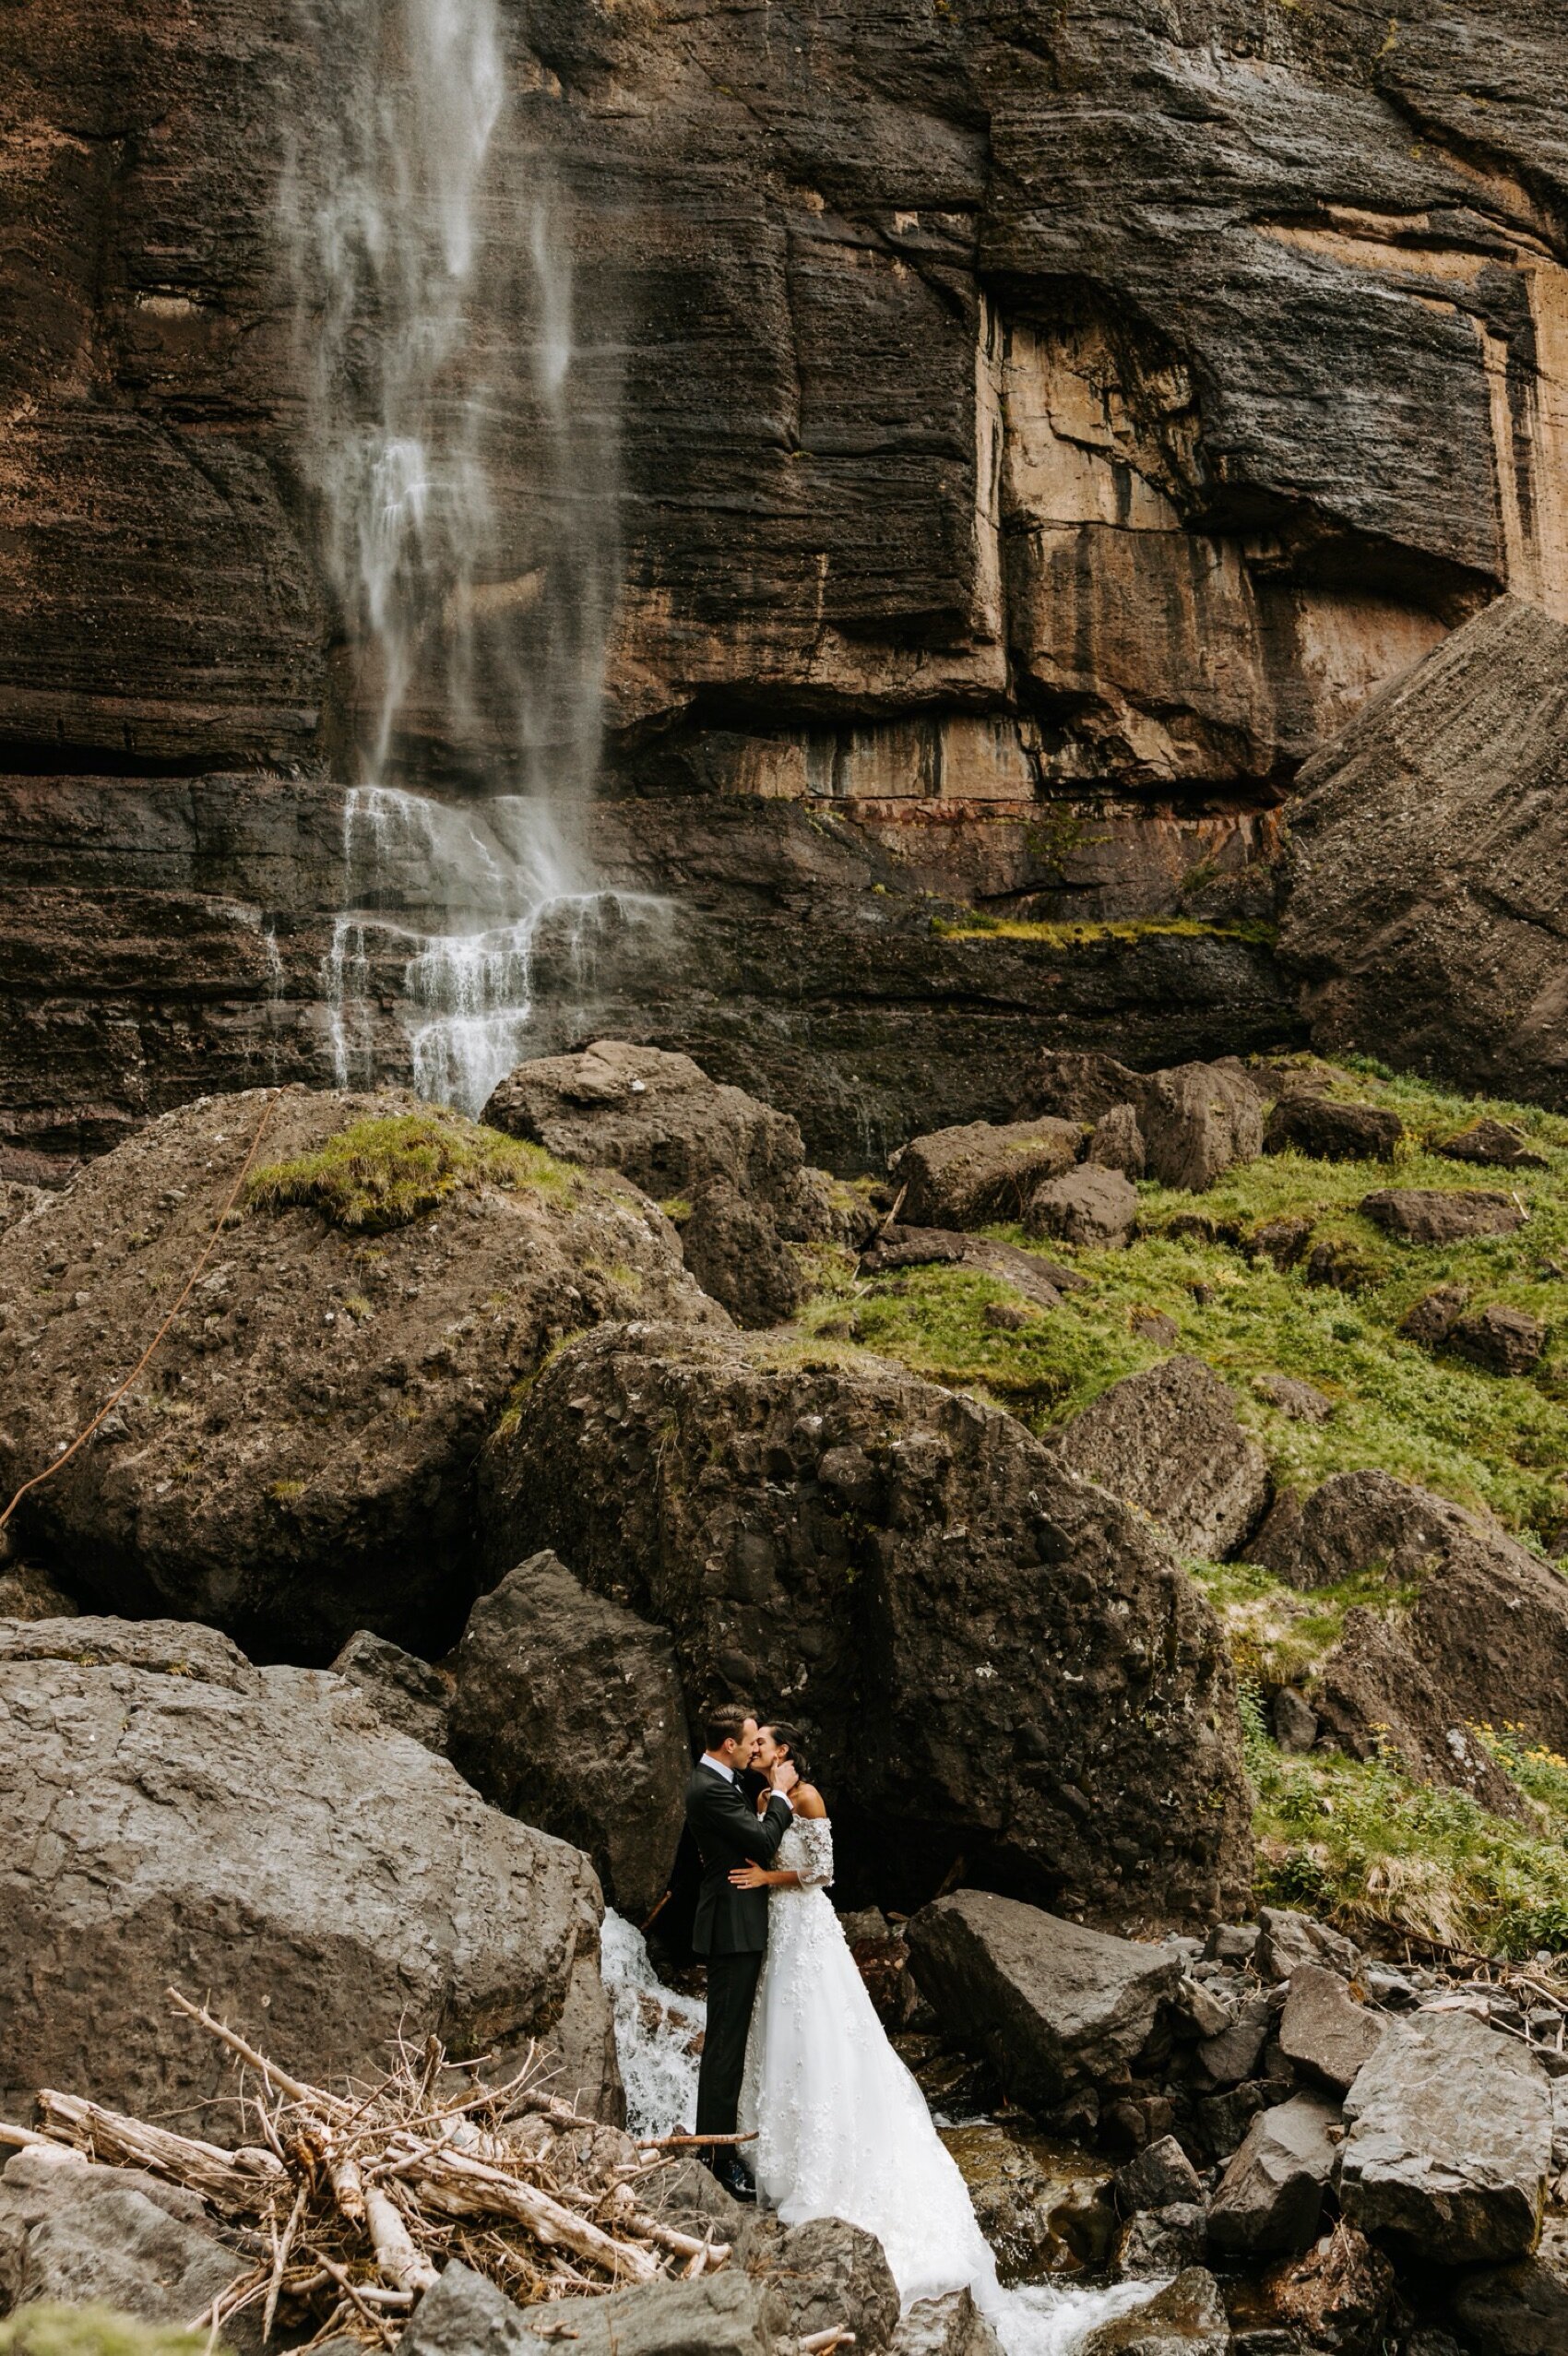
[(241, 2185)]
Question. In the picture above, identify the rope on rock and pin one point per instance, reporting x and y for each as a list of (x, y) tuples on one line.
[(116, 1396)]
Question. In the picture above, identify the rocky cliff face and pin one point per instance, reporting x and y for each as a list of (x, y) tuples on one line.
[(1020, 435)]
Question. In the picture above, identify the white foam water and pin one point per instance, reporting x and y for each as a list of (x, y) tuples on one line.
[(654, 2034), (460, 906)]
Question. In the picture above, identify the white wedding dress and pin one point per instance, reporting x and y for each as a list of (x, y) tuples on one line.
[(842, 2129)]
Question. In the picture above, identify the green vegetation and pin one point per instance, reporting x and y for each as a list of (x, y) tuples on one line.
[(382, 1173), (1361, 1841), (49, 2329), (1501, 1445), (976, 925)]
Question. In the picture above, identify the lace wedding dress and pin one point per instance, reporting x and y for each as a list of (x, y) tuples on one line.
[(842, 2128)]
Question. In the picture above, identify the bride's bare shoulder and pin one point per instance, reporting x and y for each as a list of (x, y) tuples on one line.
[(808, 1800)]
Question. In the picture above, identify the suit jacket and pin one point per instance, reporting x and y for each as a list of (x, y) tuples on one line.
[(729, 1832)]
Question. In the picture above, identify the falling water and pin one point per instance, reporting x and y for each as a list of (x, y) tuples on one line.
[(656, 2045), (466, 505)]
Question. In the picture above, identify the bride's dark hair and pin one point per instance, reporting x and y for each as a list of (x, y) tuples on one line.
[(789, 1741)]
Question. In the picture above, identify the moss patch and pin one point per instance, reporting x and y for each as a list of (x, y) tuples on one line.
[(1482, 1440), (382, 1173), (976, 925), (1279, 1634), (50, 2329)]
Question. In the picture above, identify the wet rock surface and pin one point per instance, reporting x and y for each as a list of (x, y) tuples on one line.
[(912, 1557), (406, 1692)]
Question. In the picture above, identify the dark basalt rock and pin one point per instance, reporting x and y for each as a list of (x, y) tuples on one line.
[(567, 1713), (412, 1697), (868, 1548), (1433, 1215), (1168, 1439), (1327, 1130), (1493, 1143), (1094, 1208), (982, 1173), (1503, 1339)]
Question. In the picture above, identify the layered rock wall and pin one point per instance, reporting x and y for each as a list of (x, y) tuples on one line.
[(1007, 440)]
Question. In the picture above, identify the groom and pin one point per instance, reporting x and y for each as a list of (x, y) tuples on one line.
[(731, 1929)]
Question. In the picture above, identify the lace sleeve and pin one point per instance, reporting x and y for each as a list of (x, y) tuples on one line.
[(814, 1836)]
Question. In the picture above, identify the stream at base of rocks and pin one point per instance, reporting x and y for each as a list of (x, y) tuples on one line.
[(658, 2043)]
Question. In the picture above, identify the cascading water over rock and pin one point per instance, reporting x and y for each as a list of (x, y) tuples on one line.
[(466, 487)]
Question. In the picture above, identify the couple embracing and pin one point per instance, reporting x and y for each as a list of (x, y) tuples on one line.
[(794, 2050)]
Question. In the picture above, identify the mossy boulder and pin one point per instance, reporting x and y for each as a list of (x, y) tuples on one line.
[(296, 1462)]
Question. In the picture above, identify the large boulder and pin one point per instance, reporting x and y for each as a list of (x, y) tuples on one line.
[(728, 1167), (1092, 1208), (1503, 1340), (983, 1171), (1055, 2007), (1048, 1689), (261, 1838), (1196, 1120), (951, 2325), (1450, 2143), (1352, 1521), (113, 2237), (1441, 1214), (568, 1714), (1167, 1440), (655, 1117), (1325, 1128), (1323, 2030), (827, 2275), (1270, 2198), (298, 1461), (1430, 861)]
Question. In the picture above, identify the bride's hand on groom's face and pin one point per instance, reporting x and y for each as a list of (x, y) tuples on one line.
[(783, 1774), (748, 1877)]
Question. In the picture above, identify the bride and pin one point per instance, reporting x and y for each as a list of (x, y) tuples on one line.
[(842, 2130)]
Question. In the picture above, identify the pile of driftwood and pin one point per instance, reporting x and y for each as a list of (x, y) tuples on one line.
[(344, 2207)]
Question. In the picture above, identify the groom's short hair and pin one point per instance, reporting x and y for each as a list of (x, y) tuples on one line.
[(724, 1723)]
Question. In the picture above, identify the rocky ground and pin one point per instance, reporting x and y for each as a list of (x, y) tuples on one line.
[(1169, 1473)]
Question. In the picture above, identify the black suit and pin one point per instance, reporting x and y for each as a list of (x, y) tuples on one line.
[(730, 1930)]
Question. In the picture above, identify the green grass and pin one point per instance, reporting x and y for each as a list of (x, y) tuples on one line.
[(1363, 1842), (382, 1173), (1501, 1445)]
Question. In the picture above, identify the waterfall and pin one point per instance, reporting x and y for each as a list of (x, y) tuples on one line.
[(465, 481), (656, 2045)]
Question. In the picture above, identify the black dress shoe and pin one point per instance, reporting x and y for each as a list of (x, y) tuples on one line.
[(735, 2178)]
